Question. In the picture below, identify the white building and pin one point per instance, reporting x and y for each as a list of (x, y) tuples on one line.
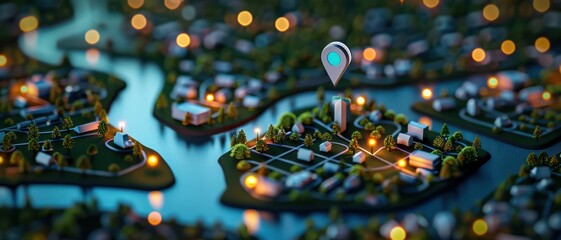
[(268, 187), (223, 95), (44, 159), (417, 130), (122, 140), (375, 116), (330, 167), (225, 80), (240, 92), (185, 87), (251, 101), (299, 179), (298, 127), (512, 80), (39, 86), (359, 157), (404, 139), (325, 146), (472, 108), (503, 122), (199, 114), (272, 76), (305, 155), (86, 127), (422, 159), (541, 172), (444, 104), (340, 107)]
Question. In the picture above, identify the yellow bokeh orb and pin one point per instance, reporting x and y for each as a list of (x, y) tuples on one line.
[(431, 3), (282, 24), (135, 4), (398, 233), (3, 60), (92, 36), (508, 47), (542, 44), (28, 24), (369, 54), (491, 12), (245, 18), (138, 21), (154, 218), (183, 40), (541, 5), (480, 227), (478, 54)]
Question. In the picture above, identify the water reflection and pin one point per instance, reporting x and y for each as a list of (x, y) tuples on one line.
[(156, 199), (251, 219)]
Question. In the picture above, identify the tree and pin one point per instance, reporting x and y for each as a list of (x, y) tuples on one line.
[(476, 143), (438, 142), (47, 145), (33, 145), (445, 171), (102, 128), (211, 120), (286, 120), (60, 160), (317, 134), (92, 150), (103, 116), (67, 122), (281, 135), (240, 151), (7, 141), (261, 146), (467, 155), (444, 131), (356, 135), (55, 133), (389, 143), (458, 136), (554, 161), (381, 129), (390, 114), (241, 137), (308, 141), (326, 136), (447, 146), (32, 132), (114, 168), (68, 142), (97, 108), (162, 102), (186, 119), (418, 146), (232, 111), (233, 140), (271, 132), (23, 166), (400, 119), (294, 137), (537, 133), (353, 145), (16, 156), (336, 128), (306, 118), (543, 159), (532, 160), (320, 94), (137, 149), (375, 134), (324, 110), (84, 163), (220, 117)]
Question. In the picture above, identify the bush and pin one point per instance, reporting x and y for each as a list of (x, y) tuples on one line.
[(496, 130), (295, 168), (114, 168), (400, 119), (306, 118), (390, 114), (243, 165)]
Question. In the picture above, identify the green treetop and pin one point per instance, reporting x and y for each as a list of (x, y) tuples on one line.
[(308, 141), (241, 137)]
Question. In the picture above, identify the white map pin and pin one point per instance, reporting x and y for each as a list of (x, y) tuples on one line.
[(335, 57)]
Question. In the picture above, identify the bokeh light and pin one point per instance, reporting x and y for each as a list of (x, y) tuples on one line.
[(245, 18), (250, 181), (478, 54), (3, 60), (426, 93), (138, 21), (183, 40), (28, 24), (152, 161), (369, 54), (398, 233), (92, 36), (546, 96), (508, 47), (431, 3), (479, 227), (154, 218), (492, 82), (135, 4), (541, 5), (282, 24), (491, 12), (172, 4), (542, 44)]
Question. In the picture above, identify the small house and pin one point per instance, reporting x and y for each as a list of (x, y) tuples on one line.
[(298, 127), (44, 159), (122, 140), (87, 127), (359, 157), (224, 80), (512, 80), (375, 116), (503, 122), (325, 146), (540, 172), (404, 139), (223, 95), (444, 104), (199, 114), (268, 187), (417, 130), (251, 101), (329, 167), (472, 108), (305, 155), (300, 179), (422, 159)]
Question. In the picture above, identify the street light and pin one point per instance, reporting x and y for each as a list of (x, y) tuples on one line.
[(257, 131), (372, 142)]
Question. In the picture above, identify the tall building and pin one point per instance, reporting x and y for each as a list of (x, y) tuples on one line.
[(340, 106)]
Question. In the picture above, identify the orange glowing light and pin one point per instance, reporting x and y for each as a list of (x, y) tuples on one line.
[(156, 199), (478, 54), (546, 96), (282, 24), (28, 24), (542, 44), (154, 218), (372, 142), (491, 12), (369, 54), (251, 219), (135, 4), (398, 233), (250, 181), (1, 160), (361, 100), (122, 126), (92, 55), (23, 89), (541, 6), (152, 161), (508, 47), (172, 4), (138, 21), (183, 40), (426, 121), (492, 82), (209, 97), (245, 18), (92, 36), (402, 163), (257, 130), (3, 60), (479, 227), (430, 3), (426, 93)]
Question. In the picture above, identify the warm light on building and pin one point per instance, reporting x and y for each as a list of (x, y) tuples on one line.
[(426, 93), (135, 4), (245, 18), (3, 60), (92, 36), (542, 44), (541, 6), (478, 54), (430, 3), (28, 24), (172, 4), (479, 227), (209, 97), (492, 82), (1, 160), (152, 161), (402, 163), (508, 47), (369, 54), (398, 233), (23, 89), (183, 40), (282, 24), (154, 218), (361, 100), (546, 96), (250, 181), (122, 126), (138, 21), (491, 12)]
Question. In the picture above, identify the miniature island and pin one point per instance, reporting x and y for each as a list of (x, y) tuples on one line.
[(355, 156), (507, 105)]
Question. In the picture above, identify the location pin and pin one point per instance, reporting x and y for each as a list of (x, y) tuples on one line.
[(335, 57)]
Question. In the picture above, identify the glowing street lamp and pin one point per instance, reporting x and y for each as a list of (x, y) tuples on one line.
[(372, 142), (398, 233), (250, 181), (426, 93), (209, 97), (154, 218), (402, 163), (152, 161), (122, 126), (257, 131)]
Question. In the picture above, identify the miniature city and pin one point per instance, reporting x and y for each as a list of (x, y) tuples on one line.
[(280, 119)]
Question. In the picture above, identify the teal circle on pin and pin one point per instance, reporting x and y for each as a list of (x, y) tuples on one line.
[(333, 58)]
